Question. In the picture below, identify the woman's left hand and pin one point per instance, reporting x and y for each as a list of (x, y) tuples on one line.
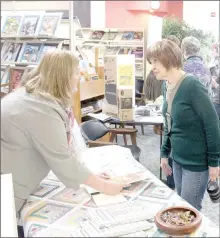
[(104, 175), (213, 173)]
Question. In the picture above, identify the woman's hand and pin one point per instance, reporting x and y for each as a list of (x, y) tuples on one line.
[(165, 167), (113, 188), (213, 173), (104, 175)]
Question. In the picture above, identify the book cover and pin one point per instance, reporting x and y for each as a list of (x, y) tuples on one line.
[(138, 52), (16, 74), (112, 50), (124, 51), (97, 35), (46, 48), (138, 35), (4, 75), (49, 24), (30, 53), (10, 51), (29, 25), (109, 36), (127, 35), (11, 25)]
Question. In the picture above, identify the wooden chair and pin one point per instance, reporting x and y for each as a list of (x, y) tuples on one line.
[(93, 130)]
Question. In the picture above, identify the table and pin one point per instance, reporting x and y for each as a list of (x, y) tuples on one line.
[(56, 211), (143, 120)]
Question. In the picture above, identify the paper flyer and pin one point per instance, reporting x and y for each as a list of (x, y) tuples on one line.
[(126, 75)]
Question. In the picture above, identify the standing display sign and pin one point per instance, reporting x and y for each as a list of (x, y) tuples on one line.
[(119, 100)]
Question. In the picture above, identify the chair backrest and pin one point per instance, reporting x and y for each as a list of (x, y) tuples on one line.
[(93, 129), (8, 213), (139, 85)]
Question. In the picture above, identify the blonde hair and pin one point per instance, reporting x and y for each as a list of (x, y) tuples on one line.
[(167, 53), (53, 77)]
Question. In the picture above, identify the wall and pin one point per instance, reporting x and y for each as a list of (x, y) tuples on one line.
[(176, 8), (118, 15)]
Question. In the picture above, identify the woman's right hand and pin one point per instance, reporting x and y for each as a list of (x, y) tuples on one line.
[(113, 187), (165, 166)]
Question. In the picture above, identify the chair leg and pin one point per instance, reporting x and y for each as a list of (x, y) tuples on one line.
[(142, 129), (133, 138), (125, 139), (112, 137)]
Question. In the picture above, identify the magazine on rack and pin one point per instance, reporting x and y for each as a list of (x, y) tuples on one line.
[(16, 74), (47, 47), (29, 25), (49, 24), (10, 51), (30, 53), (11, 25), (127, 35)]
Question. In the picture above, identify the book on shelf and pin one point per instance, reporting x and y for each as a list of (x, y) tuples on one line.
[(46, 47), (11, 25), (127, 35), (49, 24), (29, 52), (138, 52), (138, 35), (97, 35), (109, 36), (29, 25), (124, 51), (112, 50), (10, 51), (15, 76), (4, 75)]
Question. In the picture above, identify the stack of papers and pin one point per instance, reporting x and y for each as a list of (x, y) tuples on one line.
[(100, 116)]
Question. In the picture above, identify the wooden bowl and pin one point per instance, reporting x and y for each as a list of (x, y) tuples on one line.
[(175, 229)]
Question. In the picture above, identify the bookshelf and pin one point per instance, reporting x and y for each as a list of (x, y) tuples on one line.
[(90, 90)]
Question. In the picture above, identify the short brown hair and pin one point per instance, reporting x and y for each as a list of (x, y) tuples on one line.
[(167, 52)]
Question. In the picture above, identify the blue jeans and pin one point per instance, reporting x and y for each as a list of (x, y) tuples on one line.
[(217, 108), (190, 185), (170, 179)]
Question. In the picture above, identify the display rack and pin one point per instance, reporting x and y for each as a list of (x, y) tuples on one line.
[(89, 91)]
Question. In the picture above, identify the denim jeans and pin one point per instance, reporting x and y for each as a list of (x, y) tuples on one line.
[(217, 108), (190, 185), (170, 179)]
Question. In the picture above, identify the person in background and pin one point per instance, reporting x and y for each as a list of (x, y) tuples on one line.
[(174, 39), (194, 63), (216, 94), (192, 128), (36, 126)]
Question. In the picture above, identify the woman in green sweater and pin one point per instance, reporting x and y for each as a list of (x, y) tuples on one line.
[(191, 125)]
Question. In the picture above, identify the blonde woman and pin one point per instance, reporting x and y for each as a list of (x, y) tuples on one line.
[(35, 133)]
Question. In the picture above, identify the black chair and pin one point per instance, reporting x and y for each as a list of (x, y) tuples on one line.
[(139, 86), (94, 129)]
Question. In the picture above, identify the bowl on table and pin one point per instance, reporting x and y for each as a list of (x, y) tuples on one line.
[(178, 220)]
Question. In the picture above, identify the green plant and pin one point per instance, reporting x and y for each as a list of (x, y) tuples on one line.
[(179, 28)]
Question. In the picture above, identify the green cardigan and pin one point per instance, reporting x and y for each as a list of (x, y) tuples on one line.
[(195, 132)]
